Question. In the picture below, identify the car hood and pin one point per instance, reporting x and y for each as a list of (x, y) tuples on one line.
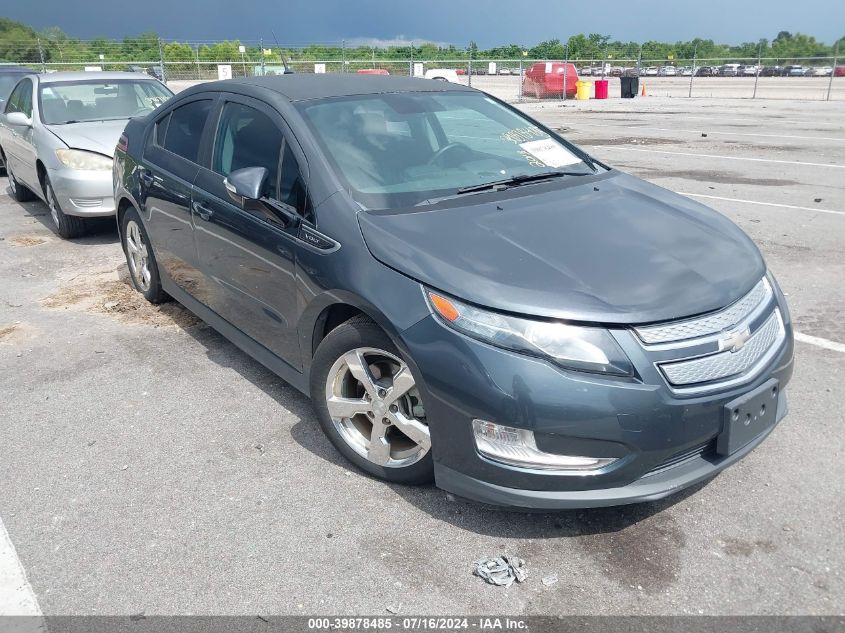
[(93, 136), (614, 250)]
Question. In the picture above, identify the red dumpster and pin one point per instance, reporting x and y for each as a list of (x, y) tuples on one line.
[(601, 88), (545, 79)]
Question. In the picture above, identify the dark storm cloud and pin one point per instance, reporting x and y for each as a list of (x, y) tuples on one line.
[(489, 23)]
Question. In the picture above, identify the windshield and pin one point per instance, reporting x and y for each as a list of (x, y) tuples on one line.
[(99, 100), (396, 150)]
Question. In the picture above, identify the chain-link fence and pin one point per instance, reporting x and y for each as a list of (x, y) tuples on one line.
[(513, 79)]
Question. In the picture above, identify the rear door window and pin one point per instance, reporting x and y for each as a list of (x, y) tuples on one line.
[(185, 128)]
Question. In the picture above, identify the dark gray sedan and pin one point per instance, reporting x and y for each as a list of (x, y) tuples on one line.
[(465, 296)]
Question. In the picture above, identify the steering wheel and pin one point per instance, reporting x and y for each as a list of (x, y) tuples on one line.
[(444, 150)]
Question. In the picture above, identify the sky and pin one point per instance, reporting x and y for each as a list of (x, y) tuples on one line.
[(487, 22)]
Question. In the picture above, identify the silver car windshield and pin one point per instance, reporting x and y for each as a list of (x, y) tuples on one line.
[(398, 149), (99, 100)]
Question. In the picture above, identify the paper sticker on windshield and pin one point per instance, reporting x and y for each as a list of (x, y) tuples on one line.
[(154, 102), (549, 153)]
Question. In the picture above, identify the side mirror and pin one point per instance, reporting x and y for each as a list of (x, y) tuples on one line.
[(18, 118), (246, 184)]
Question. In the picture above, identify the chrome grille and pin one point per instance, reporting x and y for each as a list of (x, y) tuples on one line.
[(708, 324), (727, 364)]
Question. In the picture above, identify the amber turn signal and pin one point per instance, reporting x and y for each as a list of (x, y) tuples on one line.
[(444, 307)]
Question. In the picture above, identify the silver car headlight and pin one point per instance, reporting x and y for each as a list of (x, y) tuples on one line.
[(577, 347), (79, 159)]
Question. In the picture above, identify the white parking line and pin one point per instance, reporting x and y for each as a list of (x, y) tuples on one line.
[(820, 342), (765, 204), (16, 595), (747, 158), (709, 132)]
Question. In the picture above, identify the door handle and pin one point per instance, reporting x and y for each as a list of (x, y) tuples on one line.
[(146, 178), (202, 210)]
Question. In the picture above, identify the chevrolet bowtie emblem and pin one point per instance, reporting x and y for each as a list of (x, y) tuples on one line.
[(735, 341)]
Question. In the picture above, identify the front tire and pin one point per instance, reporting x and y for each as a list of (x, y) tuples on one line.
[(143, 269), (67, 226), (368, 404)]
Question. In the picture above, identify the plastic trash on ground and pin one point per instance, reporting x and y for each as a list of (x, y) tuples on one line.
[(501, 571)]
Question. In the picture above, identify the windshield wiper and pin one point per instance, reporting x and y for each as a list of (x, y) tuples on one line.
[(515, 181)]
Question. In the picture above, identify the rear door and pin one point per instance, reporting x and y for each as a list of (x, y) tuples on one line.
[(248, 256), (176, 144)]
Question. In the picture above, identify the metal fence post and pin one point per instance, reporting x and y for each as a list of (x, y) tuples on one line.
[(640, 61), (411, 63), (832, 71), (519, 93), (757, 73), (41, 54), (343, 56), (469, 70), (692, 73), (565, 67), (261, 44), (199, 72), (161, 62)]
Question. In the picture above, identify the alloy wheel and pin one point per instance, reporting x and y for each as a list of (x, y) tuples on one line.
[(54, 207), (139, 256), (375, 406)]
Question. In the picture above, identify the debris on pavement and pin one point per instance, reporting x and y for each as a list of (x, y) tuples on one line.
[(549, 580), (394, 608), (502, 570)]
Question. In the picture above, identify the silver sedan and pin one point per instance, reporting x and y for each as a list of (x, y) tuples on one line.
[(58, 133)]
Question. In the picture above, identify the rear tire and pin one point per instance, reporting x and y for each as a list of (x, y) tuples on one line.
[(67, 226), (19, 191), (377, 420), (143, 268)]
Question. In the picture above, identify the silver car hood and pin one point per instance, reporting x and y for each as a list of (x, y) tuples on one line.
[(93, 136)]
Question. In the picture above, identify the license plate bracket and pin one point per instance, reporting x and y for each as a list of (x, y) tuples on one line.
[(747, 417)]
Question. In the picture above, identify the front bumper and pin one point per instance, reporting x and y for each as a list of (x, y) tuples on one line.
[(85, 193), (664, 442)]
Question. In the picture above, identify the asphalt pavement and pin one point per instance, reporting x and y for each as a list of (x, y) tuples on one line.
[(148, 466)]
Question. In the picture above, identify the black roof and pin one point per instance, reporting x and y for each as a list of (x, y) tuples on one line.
[(300, 87)]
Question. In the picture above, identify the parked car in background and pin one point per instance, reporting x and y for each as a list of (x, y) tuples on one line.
[(794, 70), (651, 71), (667, 71), (442, 74), (586, 71), (9, 76), (329, 226), (546, 79), (685, 71), (747, 70), (616, 71), (704, 71), (372, 71), (729, 70), (506, 71), (771, 71), (58, 134), (839, 71), (818, 71)]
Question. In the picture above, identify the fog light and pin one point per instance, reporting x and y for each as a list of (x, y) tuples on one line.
[(517, 447)]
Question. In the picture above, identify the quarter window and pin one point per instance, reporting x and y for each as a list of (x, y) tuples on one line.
[(184, 131), (247, 138)]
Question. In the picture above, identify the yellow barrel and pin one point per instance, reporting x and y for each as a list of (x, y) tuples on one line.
[(583, 89)]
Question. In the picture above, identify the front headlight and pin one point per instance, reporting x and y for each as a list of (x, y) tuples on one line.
[(571, 346), (78, 159)]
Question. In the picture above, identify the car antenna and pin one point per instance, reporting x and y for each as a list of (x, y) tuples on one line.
[(279, 46)]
